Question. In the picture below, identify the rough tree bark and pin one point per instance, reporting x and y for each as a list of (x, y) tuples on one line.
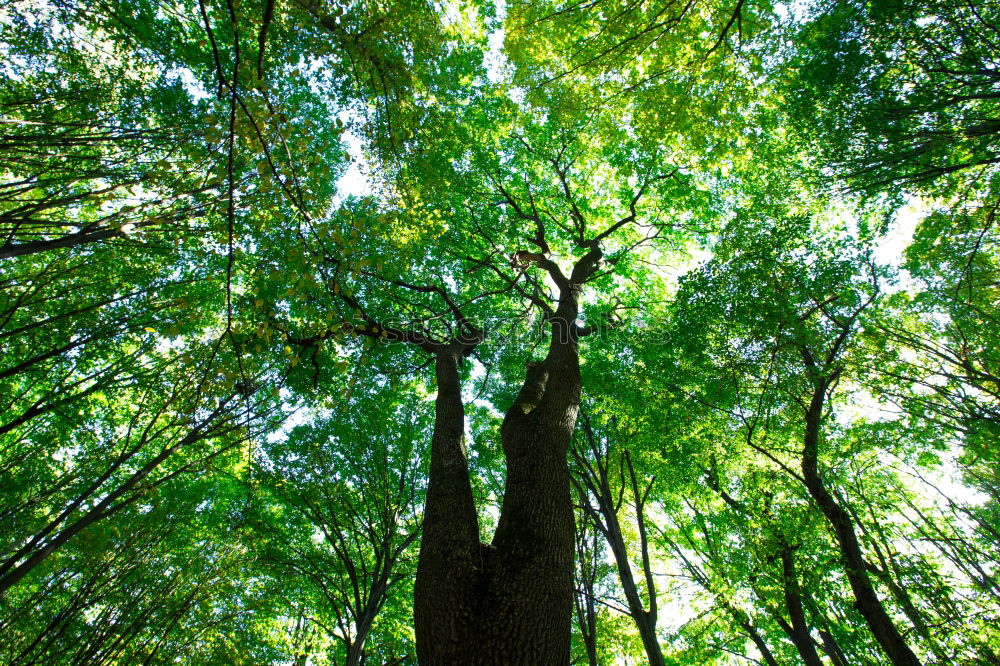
[(510, 602)]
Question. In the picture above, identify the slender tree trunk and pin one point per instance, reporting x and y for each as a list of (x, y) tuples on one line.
[(799, 634), (587, 554), (356, 653), (645, 621), (830, 645), (758, 640), (594, 478), (72, 240), (449, 569), (887, 571), (855, 567)]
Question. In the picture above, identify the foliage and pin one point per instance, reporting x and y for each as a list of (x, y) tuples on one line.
[(231, 230)]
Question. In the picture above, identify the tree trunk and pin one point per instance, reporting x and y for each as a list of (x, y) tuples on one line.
[(593, 478), (758, 640), (529, 599), (799, 631), (587, 554), (855, 567), (447, 590), (510, 602)]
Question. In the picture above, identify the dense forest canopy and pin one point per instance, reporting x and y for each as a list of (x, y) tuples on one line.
[(473, 332)]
